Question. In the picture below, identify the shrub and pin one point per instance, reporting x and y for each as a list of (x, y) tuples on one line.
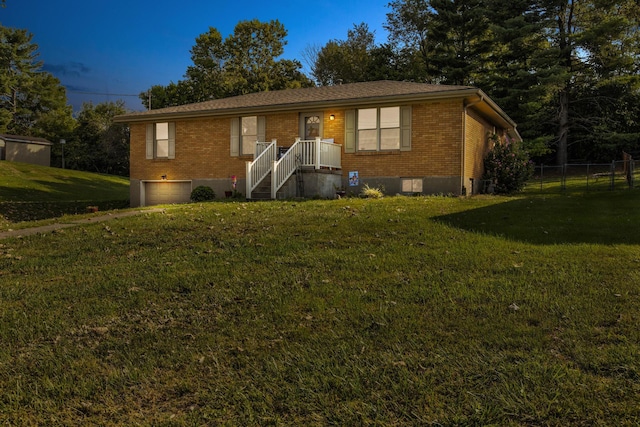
[(202, 193), (507, 166), (371, 192)]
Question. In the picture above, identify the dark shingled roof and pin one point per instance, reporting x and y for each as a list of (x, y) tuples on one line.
[(355, 93)]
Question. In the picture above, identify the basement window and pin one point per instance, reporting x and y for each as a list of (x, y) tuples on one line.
[(412, 185)]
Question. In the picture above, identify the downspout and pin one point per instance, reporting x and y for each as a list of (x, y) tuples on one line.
[(464, 141)]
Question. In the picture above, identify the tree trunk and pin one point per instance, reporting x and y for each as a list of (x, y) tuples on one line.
[(563, 127)]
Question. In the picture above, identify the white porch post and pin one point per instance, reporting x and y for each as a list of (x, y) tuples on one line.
[(318, 149), (274, 183), (248, 180)]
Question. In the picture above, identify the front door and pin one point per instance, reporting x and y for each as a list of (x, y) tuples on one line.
[(310, 126)]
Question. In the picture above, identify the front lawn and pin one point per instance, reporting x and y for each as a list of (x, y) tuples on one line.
[(400, 311)]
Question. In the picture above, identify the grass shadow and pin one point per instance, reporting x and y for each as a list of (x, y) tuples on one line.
[(595, 218)]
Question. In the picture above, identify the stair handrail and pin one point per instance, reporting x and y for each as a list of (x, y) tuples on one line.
[(259, 168), (285, 167)]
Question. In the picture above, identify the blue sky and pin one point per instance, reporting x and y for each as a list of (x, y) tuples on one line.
[(113, 48)]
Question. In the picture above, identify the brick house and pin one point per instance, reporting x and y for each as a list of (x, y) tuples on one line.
[(407, 137)]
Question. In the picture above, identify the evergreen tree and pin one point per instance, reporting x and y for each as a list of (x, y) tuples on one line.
[(512, 77), (458, 32), (32, 101)]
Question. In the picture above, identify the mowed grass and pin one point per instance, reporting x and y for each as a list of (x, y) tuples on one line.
[(400, 311), (32, 192)]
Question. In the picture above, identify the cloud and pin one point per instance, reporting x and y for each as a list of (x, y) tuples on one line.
[(70, 69), (76, 88)]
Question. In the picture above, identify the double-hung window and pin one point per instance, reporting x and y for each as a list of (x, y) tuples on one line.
[(245, 131), (249, 135), (378, 129), (161, 140)]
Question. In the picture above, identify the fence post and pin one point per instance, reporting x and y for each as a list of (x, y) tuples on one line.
[(588, 176), (318, 148), (631, 171), (613, 174), (564, 176), (541, 175)]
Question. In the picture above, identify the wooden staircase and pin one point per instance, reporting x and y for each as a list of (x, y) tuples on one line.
[(263, 190), (267, 174)]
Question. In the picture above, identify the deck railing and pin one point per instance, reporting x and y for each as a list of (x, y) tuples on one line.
[(314, 153)]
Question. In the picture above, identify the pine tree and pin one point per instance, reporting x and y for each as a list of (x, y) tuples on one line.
[(32, 101)]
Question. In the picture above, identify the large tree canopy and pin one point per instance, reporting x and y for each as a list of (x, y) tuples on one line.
[(32, 101), (565, 70), (98, 144), (244, 62)]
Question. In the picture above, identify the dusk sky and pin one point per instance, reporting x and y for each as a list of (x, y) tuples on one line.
[(104, 50)]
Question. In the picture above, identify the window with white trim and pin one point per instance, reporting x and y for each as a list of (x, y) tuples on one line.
[(378, 129)]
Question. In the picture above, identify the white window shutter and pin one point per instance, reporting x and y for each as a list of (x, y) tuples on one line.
[(235, 137), (172, 140), (149, 140), (350, 131), (405, 128)]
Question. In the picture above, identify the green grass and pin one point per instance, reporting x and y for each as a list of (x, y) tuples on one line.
[(399, 311), (31, 192)]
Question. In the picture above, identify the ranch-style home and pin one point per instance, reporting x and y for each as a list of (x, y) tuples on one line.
[(408, 138)]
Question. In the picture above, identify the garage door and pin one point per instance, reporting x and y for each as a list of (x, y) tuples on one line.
[(159, 193)]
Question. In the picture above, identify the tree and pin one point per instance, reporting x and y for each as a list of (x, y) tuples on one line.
[(458, 32), (451, 38), (566, 70), (33, 102), (98, 144), (408, 27), (592, 44), (245, 62), (356, 59), (512, 74)]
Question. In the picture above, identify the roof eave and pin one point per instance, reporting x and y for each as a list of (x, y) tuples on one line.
[(495, 112), (299, 106)]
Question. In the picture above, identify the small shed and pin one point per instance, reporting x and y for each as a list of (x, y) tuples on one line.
[(25, 149)]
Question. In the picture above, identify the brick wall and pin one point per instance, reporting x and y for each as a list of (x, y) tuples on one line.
[(203, 146), (476, 147), (436, 133)]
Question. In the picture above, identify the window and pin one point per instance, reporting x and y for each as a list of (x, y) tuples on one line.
[(245, 131), (161, 140), (390, 128), (412, 185), (379, 129), (249, 135)]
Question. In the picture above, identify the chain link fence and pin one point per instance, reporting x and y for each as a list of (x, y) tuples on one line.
[(616, 175)]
